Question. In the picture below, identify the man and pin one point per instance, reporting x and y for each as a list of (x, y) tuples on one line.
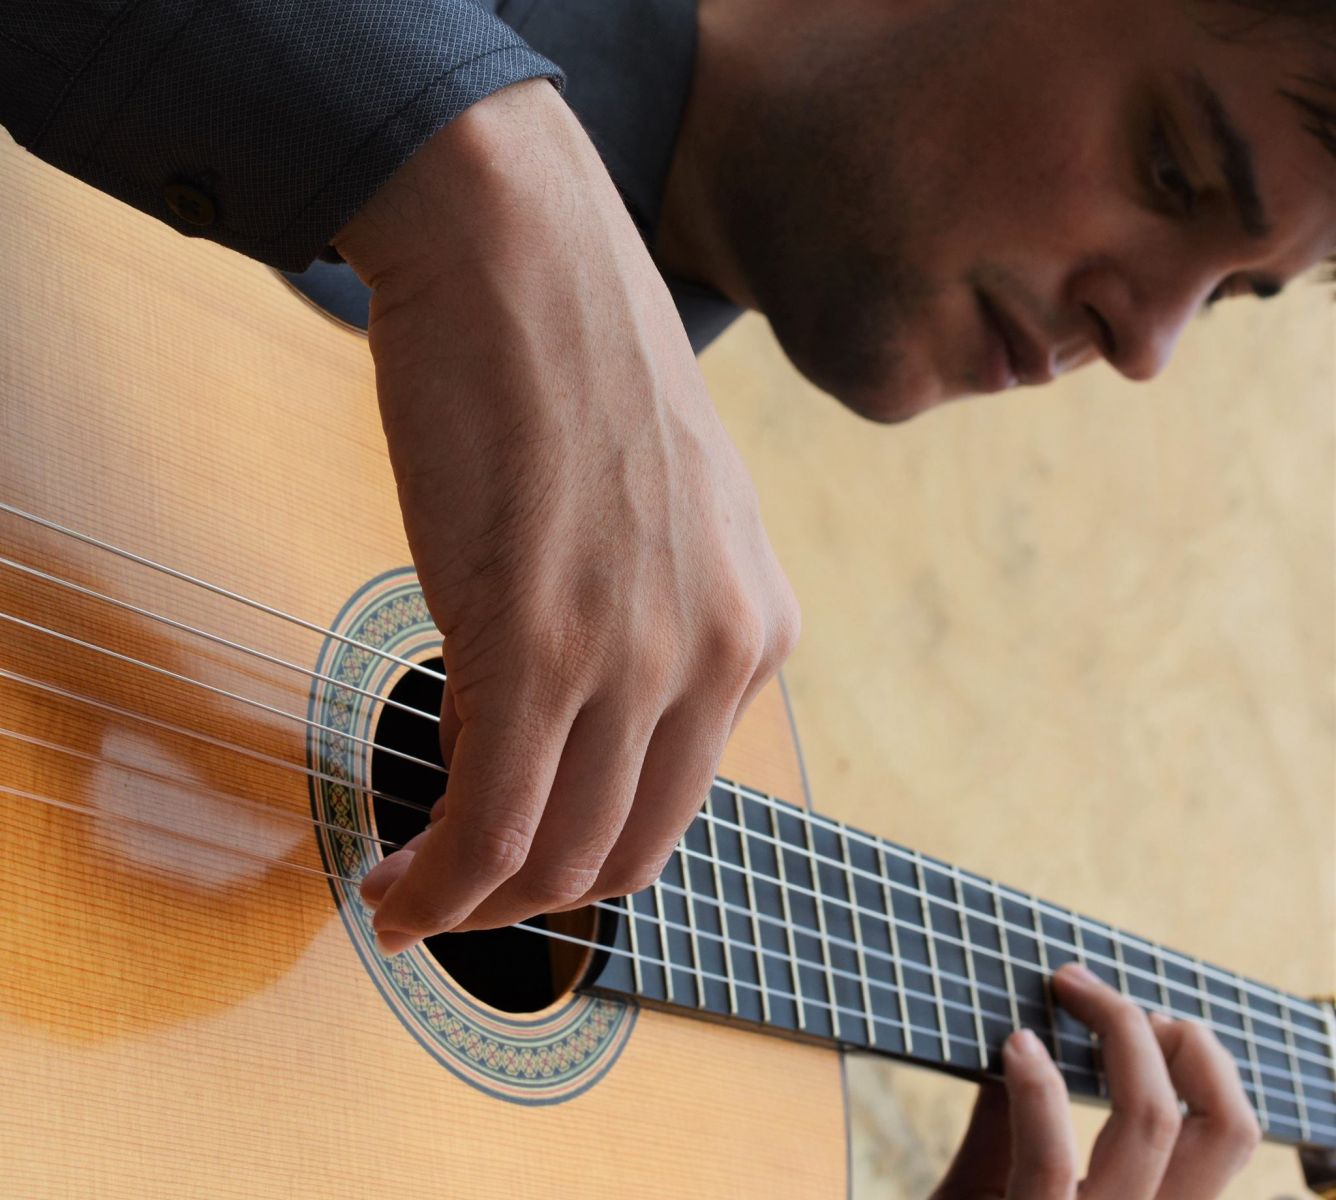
[(927, 199)]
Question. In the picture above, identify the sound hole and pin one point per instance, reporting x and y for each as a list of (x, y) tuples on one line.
[(514, 970)]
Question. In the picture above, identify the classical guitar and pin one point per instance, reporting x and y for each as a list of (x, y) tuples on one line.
[(218, 687)]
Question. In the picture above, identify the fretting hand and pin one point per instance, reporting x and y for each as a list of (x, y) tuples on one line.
[(1020, 1143)]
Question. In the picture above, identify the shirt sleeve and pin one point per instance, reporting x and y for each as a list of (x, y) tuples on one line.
[(263, 125)]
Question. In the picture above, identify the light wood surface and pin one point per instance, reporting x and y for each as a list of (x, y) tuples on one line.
[(1081, 640), (182, 1013)]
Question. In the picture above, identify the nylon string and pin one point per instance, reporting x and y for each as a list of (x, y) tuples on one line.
[(1075, 919), (618, 909)]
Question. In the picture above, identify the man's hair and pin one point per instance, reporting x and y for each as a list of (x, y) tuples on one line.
[(1313, 90)]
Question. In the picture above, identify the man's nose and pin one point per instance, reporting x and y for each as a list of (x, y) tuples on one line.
[(1138, 315)]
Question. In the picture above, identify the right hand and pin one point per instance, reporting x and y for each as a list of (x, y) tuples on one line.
[(585, 533)]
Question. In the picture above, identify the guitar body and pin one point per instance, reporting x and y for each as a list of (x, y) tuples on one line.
[(184, 1010)]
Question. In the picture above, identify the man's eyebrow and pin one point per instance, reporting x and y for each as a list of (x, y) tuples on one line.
[(1235, 157)]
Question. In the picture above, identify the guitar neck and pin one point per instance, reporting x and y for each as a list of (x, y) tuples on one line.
[(800, 925)]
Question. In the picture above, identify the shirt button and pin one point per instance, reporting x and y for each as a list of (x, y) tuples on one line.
[(189, 203)]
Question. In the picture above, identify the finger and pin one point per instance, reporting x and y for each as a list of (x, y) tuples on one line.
[(591, 796), (983, 1162), (1044, 1163), (376, 882), (1133, 1149), (502, 776), (676, 777), (1220, 1132)]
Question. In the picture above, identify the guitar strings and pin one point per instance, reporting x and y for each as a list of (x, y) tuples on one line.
[(302, 822), (1076, 919), (931, 1035), (1203, 998), (1247, 1034), (217, 639), (1262, 991), (269, 610)]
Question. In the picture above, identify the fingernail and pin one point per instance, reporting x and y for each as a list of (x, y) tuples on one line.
[(1079, 973), (1024, 1042), (392, 941), (1159, 1019)]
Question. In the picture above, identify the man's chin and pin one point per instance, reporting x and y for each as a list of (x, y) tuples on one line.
[(895, 398)]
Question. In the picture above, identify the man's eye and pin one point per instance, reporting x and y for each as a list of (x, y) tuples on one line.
[(1167, 176), (1263, 290)]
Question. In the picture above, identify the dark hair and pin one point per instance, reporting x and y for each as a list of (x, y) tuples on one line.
[(1312, 91)]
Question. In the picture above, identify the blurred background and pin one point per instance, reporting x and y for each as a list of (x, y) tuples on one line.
[(1080, 639)]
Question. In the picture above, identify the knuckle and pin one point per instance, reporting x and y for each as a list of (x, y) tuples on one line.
[(788, 628), (1244, 1134), (1051, 1173), (496, 852), (655, 673), (1159, 1124), (627, 879), (559, 884), (738, 646)]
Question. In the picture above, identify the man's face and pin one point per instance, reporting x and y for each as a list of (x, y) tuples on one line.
[(937, 198)]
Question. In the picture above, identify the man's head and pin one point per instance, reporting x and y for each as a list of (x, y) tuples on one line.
[(935, 198)]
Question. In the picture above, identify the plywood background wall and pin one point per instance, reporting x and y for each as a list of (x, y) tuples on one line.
[(1079, 639)]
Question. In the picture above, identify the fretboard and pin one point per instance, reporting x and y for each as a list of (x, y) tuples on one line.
[(800, 925)]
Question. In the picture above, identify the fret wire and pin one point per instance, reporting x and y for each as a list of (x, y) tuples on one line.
[(1160, 979), (1328, 1010), (755, 918), (908, 991), (635, 946), (1043, 964), (1098, 1051), (1006, 959), (932, 955), (1119, 965), (1299, 1097), (1248, 1041), (1072, 918), (858, 941), (1205, 996), (897, 960), (723, 912), (824, 942), (853, 1012), (969, 971), (911, 992), (694, 945), (1260, 990), (788, 919), (657, 888), (1083, 955)]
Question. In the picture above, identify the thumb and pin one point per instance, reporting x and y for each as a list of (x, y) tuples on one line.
[(981, 1164)]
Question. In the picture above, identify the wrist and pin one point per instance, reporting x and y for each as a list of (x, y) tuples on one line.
[(481, 169)]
